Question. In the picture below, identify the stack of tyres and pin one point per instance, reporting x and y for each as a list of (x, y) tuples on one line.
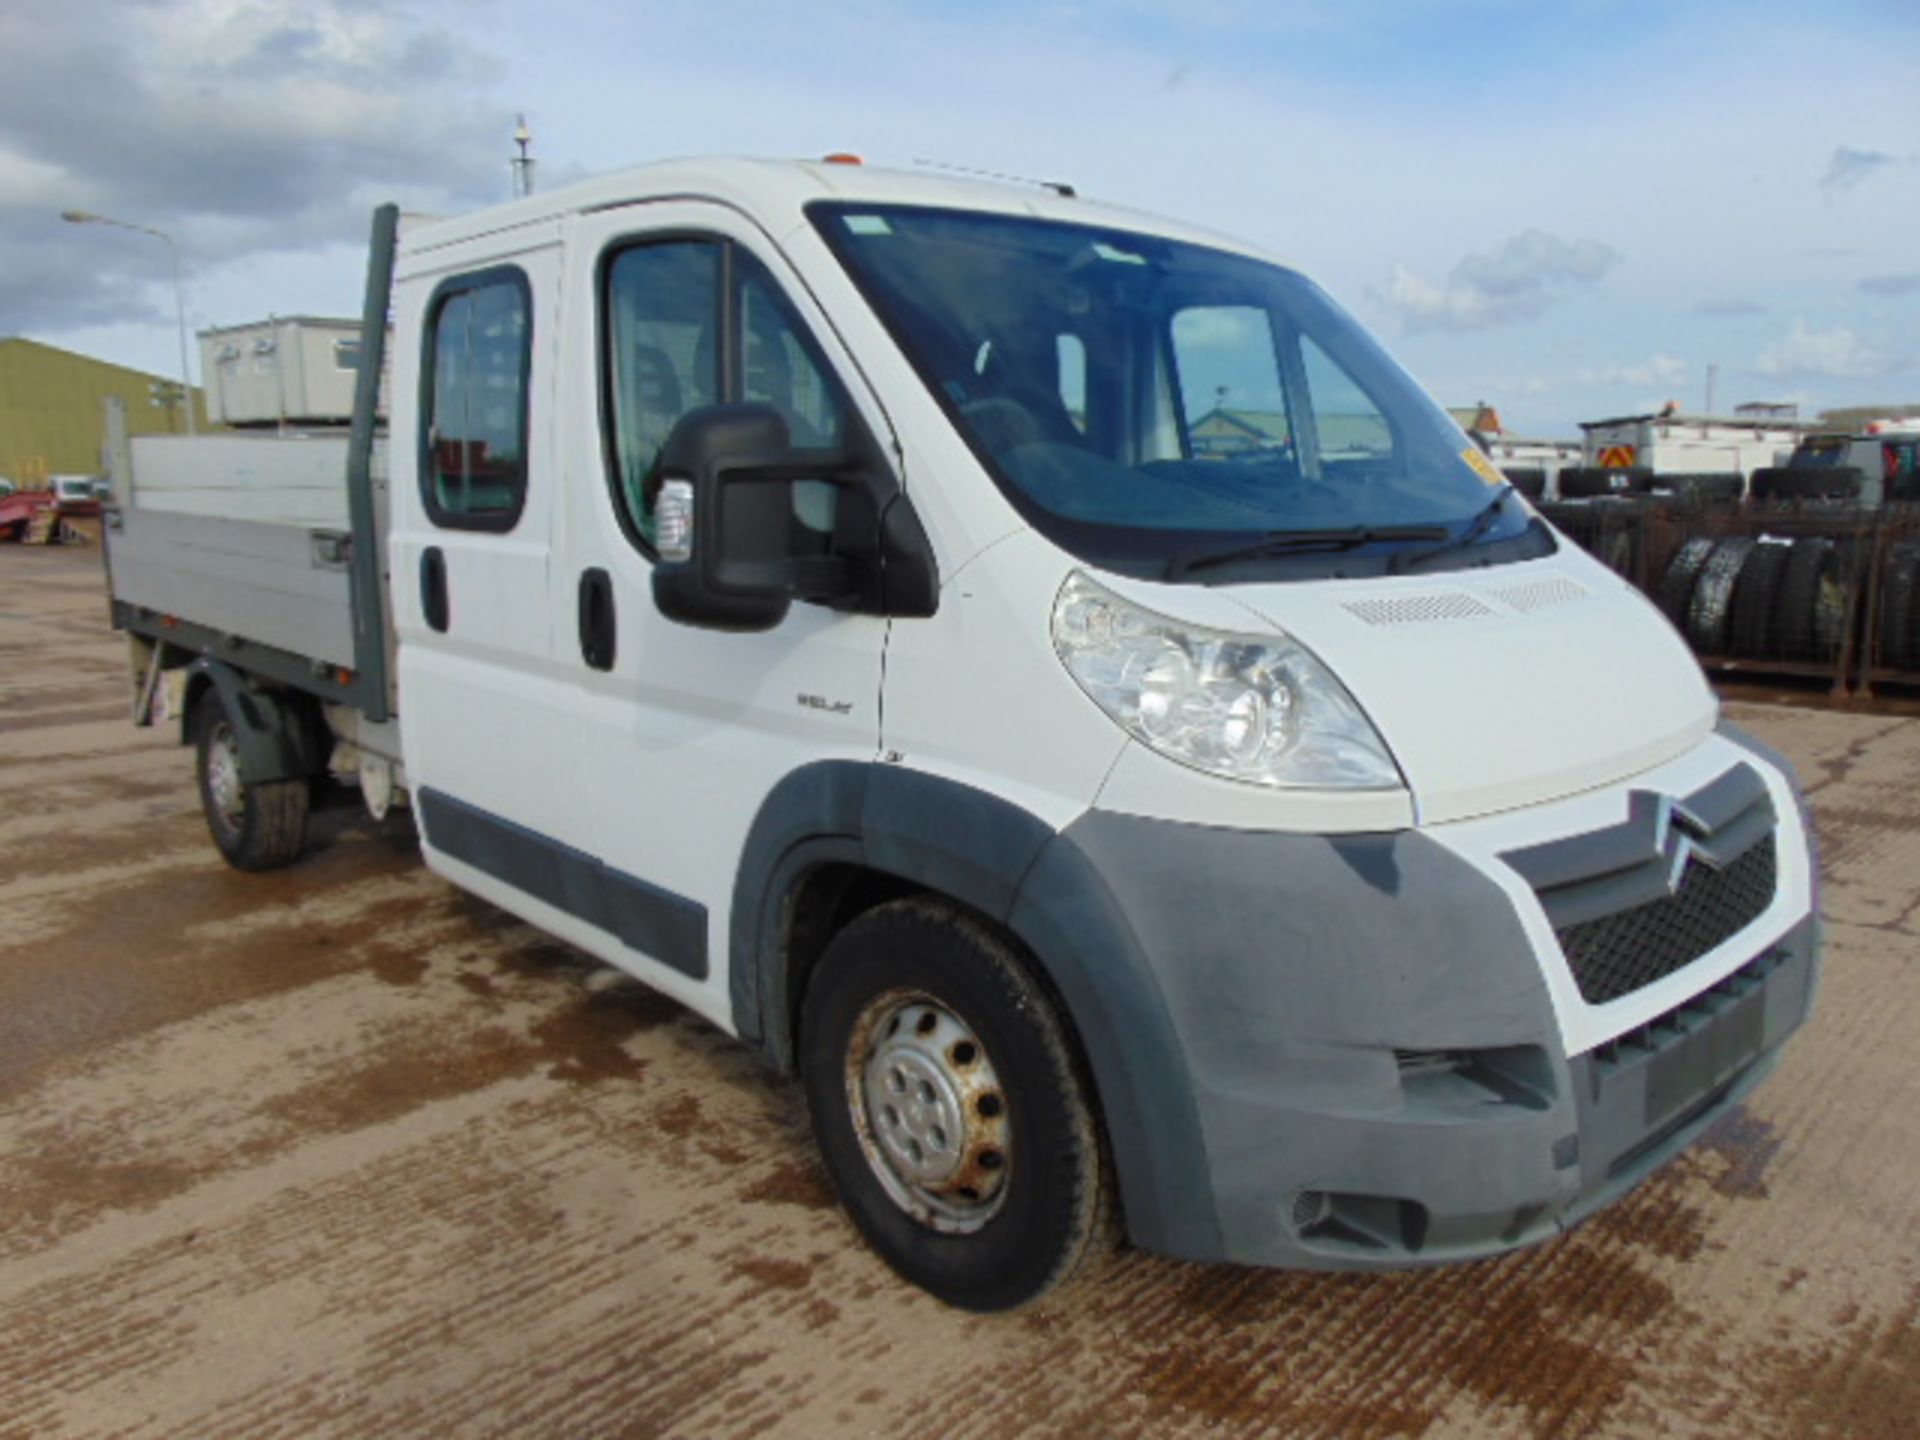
[(1760, 599), (1899, 616)]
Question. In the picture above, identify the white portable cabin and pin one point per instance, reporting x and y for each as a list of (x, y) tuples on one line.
[(1550, 457), (288, 370), (1670, 443)]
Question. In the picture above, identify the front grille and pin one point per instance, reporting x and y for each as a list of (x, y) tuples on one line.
[(1616, 954)]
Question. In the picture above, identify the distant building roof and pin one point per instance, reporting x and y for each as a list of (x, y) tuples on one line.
[(331, 322), (1481, 417), (1857, 417), (1676, 417), (1256, 424)]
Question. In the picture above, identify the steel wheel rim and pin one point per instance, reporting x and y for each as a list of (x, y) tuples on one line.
[(224, 787), (929, 1111)]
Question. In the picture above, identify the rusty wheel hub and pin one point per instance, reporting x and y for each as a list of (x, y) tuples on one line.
[(929, 1111)]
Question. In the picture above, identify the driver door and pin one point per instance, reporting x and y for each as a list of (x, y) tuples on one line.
[(686, 730)]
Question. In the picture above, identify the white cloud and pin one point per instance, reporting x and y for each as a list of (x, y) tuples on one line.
[(1838, 352), (1662, 370), (1849, 167), (240, 127), (1516, 282)]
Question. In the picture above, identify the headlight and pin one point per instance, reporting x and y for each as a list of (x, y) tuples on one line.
[(1257, 708)]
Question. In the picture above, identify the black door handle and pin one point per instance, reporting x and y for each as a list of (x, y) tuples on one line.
[(597, 629), (433, 588)]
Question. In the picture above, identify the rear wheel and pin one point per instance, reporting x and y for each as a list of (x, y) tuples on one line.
[(260, 825), (949, 1107)]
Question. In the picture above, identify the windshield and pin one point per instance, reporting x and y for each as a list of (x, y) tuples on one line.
[(1820, 452), (1173, 411)]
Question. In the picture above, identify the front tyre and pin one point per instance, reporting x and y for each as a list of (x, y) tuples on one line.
[(949, 1107), (256, 826)]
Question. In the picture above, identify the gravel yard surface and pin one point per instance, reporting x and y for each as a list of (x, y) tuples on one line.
[(338, 1151)]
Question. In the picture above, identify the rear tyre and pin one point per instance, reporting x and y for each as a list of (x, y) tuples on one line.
[(1754, 597), (1676, 586), (1897, 617), (949, 1107), (1711, 607), (1811, 601), (257, 826)]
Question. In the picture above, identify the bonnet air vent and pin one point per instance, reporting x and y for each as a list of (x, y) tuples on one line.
[(1540, 594), (1418, 609)]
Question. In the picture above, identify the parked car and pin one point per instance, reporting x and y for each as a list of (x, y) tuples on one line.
[(78, 494)]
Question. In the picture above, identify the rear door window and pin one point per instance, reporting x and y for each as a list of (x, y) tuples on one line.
[(479, 350)]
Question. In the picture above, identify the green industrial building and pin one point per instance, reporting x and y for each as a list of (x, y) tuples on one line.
[(51, 419)]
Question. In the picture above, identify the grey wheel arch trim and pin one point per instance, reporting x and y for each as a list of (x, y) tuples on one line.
[(277, 740), (1016, 870)]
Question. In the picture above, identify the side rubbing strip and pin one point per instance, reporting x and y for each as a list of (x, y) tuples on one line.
[(660, 924)]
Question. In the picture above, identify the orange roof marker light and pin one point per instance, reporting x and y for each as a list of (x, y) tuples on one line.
[(841, 157)]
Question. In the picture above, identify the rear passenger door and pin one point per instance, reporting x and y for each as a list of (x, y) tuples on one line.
[(485, 725)]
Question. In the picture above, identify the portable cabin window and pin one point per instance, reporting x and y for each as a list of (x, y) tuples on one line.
[(474, 453)]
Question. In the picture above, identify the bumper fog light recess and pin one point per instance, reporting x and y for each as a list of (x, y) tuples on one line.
[(1310, 1208), (1352, 1224), (1519, 1075)]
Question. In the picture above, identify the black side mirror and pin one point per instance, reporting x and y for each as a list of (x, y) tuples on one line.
[(723, 513), (725, 527)]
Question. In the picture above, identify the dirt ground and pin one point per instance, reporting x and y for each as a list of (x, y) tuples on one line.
[(340, 1152)]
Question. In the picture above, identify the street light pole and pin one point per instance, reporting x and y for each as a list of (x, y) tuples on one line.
[(85, 217)]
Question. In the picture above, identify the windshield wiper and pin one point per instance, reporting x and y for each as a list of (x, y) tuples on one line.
[(1289, 542), (1476, 527)]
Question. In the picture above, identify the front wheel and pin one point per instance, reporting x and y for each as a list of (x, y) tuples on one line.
[(949, 1107), (257, 826)]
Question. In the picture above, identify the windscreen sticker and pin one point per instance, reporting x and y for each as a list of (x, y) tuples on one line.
[(868, 225), (1482, 466)]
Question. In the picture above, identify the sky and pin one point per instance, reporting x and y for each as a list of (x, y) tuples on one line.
[(1569, 209)]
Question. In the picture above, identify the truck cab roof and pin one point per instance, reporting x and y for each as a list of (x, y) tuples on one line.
[(775, 193)]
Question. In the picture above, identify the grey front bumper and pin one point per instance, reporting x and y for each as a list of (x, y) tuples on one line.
[(1340, 1052)]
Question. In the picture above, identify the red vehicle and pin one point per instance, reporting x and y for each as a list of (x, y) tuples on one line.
[(18, 509)]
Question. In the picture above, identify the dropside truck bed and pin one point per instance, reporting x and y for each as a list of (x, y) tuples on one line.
[(248, 571)]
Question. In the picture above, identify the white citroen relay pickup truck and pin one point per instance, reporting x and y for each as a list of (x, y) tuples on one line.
[(1039, 672)]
